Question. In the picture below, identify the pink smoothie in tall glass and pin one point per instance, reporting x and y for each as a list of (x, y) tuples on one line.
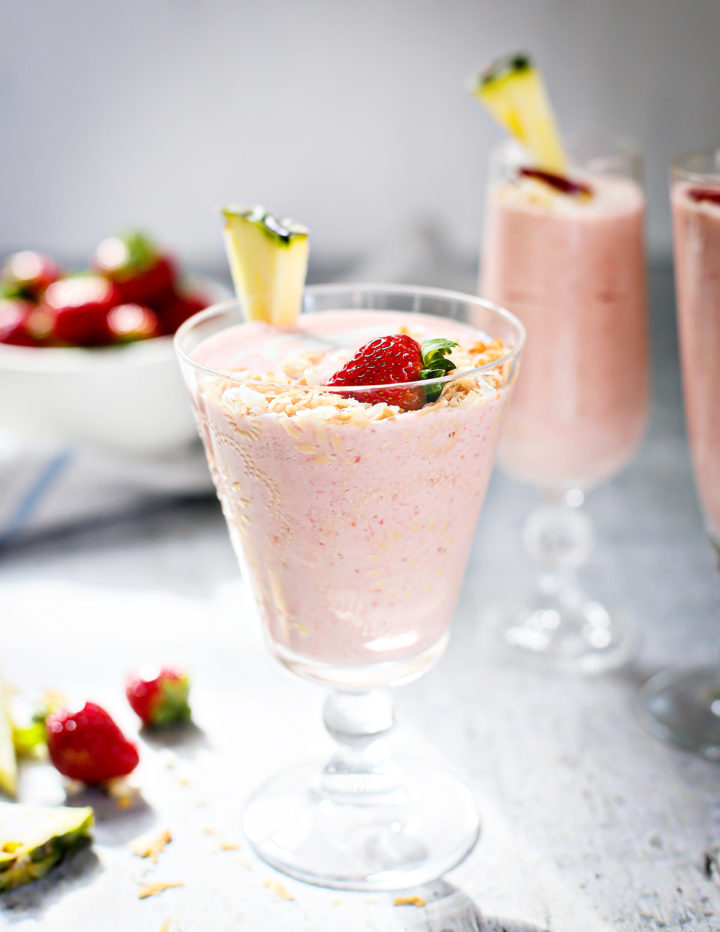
[(353, 521), (696, 222), (572, 268)]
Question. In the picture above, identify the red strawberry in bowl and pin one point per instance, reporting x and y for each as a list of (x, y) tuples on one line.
[(135, 264), (84, 743), (128, 323), (159, 695), (177, 308), (78, 307), (28, 274), (14, 317), (393, 360)]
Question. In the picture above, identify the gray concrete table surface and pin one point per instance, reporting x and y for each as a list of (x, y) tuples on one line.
[(588, 823)]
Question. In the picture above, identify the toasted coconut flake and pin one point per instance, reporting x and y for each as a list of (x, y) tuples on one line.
[(152, 889), (278, 889), (409, 901), (171, 925), (146, 847), (124, 791), (168, 758)]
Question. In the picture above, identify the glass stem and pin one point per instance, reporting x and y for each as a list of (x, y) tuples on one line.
[(359, 723), (559, 538)]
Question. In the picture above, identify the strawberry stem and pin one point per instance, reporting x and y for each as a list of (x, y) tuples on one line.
[(435, 365)]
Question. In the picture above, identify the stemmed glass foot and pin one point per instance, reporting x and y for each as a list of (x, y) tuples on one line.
[(363, 822), (558, 624), (683, 706)]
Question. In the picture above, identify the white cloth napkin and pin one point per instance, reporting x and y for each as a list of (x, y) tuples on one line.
[(46, 488)]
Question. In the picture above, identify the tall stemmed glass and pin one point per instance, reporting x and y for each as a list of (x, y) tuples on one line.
[(683, 706), (353, 530), (566, 254)]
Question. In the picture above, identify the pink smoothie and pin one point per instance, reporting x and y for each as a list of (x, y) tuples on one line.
[(353, 522), (573, 270), (697, 278)]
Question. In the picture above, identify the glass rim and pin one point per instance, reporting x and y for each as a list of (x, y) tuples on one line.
[(678, 166), (610, 144), (441, 293)]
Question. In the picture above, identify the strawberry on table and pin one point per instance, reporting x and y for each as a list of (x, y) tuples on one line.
[(135, 264), (393, 360), (127, 323), (159, 695), (27, 274), (84, 743), (78, 307)]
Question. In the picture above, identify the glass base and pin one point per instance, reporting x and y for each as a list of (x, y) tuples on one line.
[(683, 707), (571, 632), (364, 675), (392, 840)]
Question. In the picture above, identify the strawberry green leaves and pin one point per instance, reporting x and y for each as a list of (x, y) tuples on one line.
[(435, 365)]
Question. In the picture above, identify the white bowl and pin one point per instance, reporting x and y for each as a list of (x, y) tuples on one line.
[(130, 399)]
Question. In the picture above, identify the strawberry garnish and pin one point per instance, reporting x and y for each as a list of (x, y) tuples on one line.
[(712, 195), (159, 696), (560, 183), (393, 360), (84, 743)]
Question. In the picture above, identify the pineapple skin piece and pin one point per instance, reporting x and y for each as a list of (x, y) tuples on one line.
[(513, 91), (8, 761), (268, 261), (35, 838)]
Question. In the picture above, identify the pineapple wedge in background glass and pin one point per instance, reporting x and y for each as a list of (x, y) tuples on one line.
[(268, 261), (512, 90), (34, 838)]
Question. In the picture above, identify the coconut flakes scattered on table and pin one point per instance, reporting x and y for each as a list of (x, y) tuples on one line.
[(146, 847), (278, 889), (409, 901), (152, 889)]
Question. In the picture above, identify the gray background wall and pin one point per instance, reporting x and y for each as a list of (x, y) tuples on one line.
[(350, 116)]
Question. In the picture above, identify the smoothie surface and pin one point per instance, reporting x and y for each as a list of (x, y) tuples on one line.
[(322, 342)]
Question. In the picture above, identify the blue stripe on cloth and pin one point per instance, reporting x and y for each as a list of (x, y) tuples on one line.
[(35, 494)]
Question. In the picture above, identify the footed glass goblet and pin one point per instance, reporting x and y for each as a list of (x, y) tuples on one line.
[(353, 517), (683, 706), (567, 256)]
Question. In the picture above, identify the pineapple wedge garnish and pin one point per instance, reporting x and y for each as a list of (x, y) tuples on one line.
[(512, 89), (268, 261), (34, 838), (8, 763)]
